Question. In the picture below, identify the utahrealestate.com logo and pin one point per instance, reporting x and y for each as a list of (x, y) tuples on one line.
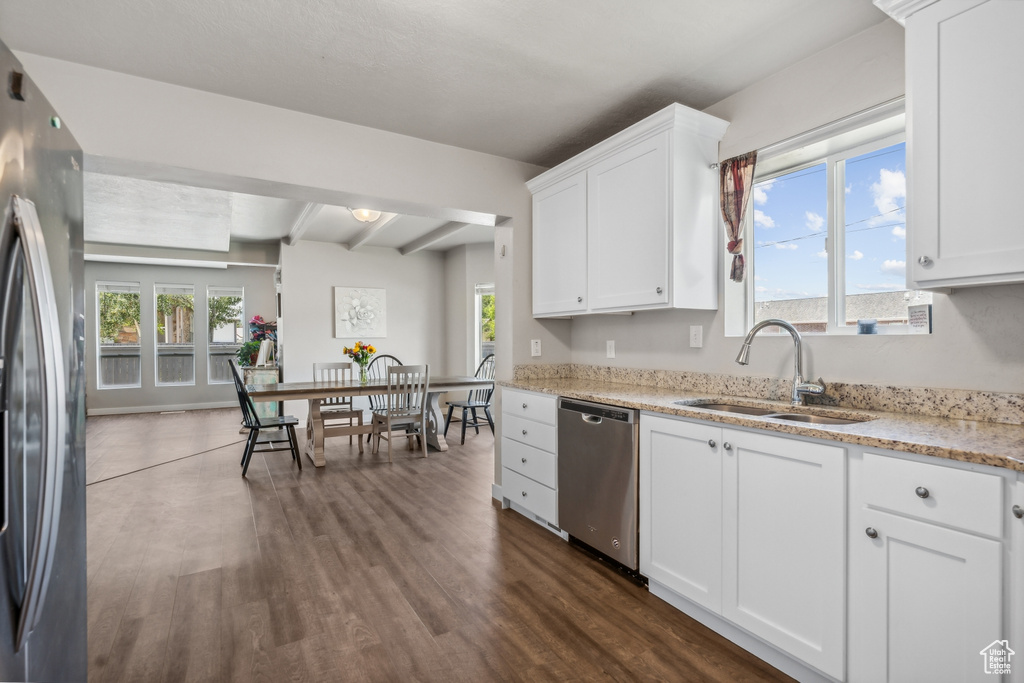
[(997, 657)]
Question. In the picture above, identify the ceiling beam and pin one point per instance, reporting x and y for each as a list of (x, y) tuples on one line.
[(432, 237), (306, 216), (371, 230)]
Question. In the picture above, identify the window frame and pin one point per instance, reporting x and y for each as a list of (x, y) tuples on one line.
[(876, 128), (100, 386), (210, 345), (156, 335)]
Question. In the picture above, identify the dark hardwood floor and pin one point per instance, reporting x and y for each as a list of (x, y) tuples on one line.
[(360, 571)]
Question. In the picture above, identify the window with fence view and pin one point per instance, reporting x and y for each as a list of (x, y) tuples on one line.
[(485, 320), (175, 347), (119, 363), (227, 330)]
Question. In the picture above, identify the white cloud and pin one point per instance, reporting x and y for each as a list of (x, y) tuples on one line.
[(881, 287), (786, 245), (899, 231), (893, 267), (762, 290), (891, 185), (849, 189), (763, 219), (758, 278), (856, 255), (822, 254), (814, 221), (761, 192)]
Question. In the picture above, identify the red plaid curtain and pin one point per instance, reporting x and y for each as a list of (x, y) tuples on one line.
[(736, 176)]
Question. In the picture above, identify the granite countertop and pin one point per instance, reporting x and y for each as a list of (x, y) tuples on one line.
[(972, 441)]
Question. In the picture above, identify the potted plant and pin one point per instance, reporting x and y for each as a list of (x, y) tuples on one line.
[(248, 353)]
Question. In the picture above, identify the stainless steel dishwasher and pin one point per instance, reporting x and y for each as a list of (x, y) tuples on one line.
[(597, 477)]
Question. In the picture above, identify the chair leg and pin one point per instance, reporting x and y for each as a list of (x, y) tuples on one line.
[(490, 420), (464, 411), (476, 420), (250, 446), (294, 443), (423, 436), (448, 420), (359, 437), (389, 437)]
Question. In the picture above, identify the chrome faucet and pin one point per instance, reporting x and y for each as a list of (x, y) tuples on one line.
[(800, 387)]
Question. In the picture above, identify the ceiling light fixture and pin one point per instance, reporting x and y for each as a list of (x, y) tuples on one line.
[(365, 215)]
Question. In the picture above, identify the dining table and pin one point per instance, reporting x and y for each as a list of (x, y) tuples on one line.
[(314, 392)]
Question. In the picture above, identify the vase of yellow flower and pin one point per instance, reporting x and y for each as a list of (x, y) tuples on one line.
[(361, 354)]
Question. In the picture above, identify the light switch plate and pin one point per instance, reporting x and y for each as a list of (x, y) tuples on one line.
[(610, 348), (535, 347), (696, 336)]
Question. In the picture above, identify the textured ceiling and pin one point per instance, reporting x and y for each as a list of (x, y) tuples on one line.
[(533, 80)]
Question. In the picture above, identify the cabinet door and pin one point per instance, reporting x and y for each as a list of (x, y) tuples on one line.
[(560, 247), (965, 143), (784, 559), (629, 219), (924, 602), (681, 508)]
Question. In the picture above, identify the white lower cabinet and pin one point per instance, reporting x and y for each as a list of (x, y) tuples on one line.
[(751, 527), (529, 473), (925, 599)]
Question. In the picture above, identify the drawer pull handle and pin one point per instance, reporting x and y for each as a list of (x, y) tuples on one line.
[(524, 494), (658, 290), (921, 492), (870, 531), (524, 432), (524, 461), (711, 442), (524, 406), (924, 261), (727, 446), (579, 299), (1018, 512)]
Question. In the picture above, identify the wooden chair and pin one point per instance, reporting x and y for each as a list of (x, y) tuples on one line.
[(270, 426), (406, 406), (378, 370), (338, 410), (478, 399)]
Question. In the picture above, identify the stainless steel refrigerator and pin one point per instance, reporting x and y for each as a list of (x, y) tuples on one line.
[(42, 390)]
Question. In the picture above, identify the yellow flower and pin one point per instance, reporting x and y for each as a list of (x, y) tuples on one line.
[(371, 349)]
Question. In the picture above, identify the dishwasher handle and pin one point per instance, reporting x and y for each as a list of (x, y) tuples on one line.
[(592, 419), (596, 413)]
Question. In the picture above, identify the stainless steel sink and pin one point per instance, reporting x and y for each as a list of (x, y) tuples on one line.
[(814, 419), (727, 408)]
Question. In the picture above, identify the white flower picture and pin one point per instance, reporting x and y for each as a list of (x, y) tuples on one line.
[(360, 312)]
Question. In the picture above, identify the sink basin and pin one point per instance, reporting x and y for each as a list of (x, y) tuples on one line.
[(728, 408), (814, 419)]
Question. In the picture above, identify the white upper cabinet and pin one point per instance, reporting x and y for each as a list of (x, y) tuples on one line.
[(634, 219), (964, 140), (560, 247)]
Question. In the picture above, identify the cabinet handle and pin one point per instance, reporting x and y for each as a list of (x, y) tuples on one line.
[(659, 290), (524, 461), (727, 446), (1018, 512), (924, 261), (711, 442), (921, 492), (524, 494), (870, 531), (524, 406), (579, 299), (524, 432)]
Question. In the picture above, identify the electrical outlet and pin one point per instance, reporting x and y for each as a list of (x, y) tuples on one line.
[(696, 336), (610, 348), (535, 347)]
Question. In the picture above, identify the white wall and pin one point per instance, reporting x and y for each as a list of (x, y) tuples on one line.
[(259, 299), (136, 126), (415, 287), (465, 268), (977, 336)]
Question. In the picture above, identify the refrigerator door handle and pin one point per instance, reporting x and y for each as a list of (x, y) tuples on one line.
[(40, 559)]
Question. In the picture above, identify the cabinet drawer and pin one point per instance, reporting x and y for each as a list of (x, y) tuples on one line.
[(972, 501), (535, 497), (532, 462), (536, 434), (539, 407)]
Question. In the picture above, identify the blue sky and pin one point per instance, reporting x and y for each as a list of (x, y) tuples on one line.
[(790, 226)]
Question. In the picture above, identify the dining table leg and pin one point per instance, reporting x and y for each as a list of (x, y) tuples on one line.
[(315, 434), (435, 419)]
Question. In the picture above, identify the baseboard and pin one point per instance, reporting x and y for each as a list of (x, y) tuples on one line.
[(129, 410), (751, 643), (496, 494)]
